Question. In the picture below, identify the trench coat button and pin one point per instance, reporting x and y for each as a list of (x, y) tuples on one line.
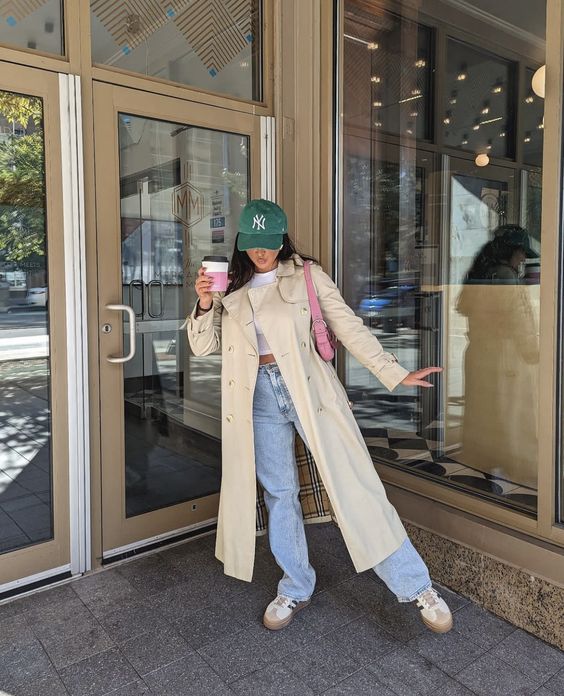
[(230, 349), (304, 310), (229, 418), (231, 382), (304, 344), (320, 410), (309, 378)]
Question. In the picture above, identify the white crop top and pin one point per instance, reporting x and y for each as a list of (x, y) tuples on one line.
[(257, 281)]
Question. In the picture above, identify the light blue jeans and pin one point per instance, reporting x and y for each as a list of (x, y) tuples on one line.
[(274, 420)]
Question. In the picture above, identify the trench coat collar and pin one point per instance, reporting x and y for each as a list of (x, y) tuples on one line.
[(288, 268), (239, 306)]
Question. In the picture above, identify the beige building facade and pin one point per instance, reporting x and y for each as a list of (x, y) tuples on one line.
[(417, 148)]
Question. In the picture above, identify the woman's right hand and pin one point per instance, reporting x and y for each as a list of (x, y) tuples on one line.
[(203, 285)]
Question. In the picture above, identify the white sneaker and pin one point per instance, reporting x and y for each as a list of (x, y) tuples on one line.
[(281, 611), (434, 611)]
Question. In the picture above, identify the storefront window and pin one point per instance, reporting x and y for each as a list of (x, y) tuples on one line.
[(33, 24), (215, 46), (441, 237), (25, 412)]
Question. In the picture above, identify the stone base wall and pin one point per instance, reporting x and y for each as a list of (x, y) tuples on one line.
[(528, 602)]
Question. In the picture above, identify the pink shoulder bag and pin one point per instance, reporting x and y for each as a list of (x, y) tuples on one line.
[(325, 340)]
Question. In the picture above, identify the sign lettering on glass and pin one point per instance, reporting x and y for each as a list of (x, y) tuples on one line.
[(187, 202)]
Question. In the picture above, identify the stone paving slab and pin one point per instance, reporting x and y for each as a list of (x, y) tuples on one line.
[(173, 624)]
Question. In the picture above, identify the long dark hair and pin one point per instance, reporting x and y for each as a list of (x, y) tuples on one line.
[(242, 268), (490, 256)]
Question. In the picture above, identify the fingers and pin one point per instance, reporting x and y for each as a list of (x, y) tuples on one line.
[(413, 381), (425, 371), (204, 282)]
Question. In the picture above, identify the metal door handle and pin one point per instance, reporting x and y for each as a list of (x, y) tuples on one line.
[(131, 314), (150, 286)]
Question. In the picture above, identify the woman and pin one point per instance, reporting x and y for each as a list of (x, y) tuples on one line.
[(499, 426), (273, 381)]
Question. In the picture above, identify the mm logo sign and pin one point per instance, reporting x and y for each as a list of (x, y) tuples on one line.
[(187, 204)]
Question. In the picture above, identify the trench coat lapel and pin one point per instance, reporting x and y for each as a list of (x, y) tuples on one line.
[(238, 304), (239, 307)]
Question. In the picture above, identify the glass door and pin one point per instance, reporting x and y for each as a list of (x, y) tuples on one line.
[(34, 477), (172, 178)]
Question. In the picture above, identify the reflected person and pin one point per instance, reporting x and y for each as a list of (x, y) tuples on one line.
[(499, 429)]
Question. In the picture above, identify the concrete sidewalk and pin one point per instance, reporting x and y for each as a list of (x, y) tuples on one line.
[(172, 624)]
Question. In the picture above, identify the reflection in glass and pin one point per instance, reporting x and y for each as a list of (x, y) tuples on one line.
[(25, 430), (499, 422), (213, 45), (441, 260), (479, 94), (33, 24), (182, 189), (388, 67), (532, 120)]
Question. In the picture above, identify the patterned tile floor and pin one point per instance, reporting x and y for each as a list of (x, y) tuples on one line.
[(172, 624), (425, 454)]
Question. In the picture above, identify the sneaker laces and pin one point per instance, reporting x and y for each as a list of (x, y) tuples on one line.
[(283, 601), (428, 599)]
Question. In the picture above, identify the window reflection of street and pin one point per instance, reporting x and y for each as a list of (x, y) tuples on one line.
[(25, 414), (25, 477)]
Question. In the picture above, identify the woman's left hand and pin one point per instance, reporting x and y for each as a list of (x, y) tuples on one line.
[(417, 378)]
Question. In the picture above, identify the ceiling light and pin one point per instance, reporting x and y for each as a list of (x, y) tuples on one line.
[(378, 124), (502, 134), (421, 63), (492, 120), (376, 78), (462, 74), (498, 86), (446, 119), (529, 99), (464, 139), (476, 125), (453, 96), (527, 138), (485, 109), (489, 145), (372, 46), (538, 82), (377, 103), (415, 114), (482, 160)]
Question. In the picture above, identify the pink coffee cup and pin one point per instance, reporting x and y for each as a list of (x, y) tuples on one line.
[(217, 267)]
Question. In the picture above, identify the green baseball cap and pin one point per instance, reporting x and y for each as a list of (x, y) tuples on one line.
[(262, 225)]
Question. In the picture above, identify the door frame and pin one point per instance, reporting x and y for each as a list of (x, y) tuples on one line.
[(119, 533), (68, 552)]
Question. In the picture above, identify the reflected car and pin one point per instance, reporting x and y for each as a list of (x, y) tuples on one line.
[(391, 307), (36, 297)]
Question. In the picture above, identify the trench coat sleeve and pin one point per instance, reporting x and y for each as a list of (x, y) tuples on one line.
[(204, 332), (354, 335)]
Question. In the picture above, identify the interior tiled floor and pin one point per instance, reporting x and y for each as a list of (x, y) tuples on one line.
[(172, 624)]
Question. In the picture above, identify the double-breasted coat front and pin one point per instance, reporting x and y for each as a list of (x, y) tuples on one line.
[(370, 525)]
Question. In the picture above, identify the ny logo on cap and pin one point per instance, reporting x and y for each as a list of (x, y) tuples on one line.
[(258, 222)]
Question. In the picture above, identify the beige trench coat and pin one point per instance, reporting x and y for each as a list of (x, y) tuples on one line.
[(370, 525)]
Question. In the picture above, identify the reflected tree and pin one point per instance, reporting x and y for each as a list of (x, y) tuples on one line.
[(22, 178)]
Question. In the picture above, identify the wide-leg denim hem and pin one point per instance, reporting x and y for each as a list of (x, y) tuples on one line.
[(298, 600), (414, 596)]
